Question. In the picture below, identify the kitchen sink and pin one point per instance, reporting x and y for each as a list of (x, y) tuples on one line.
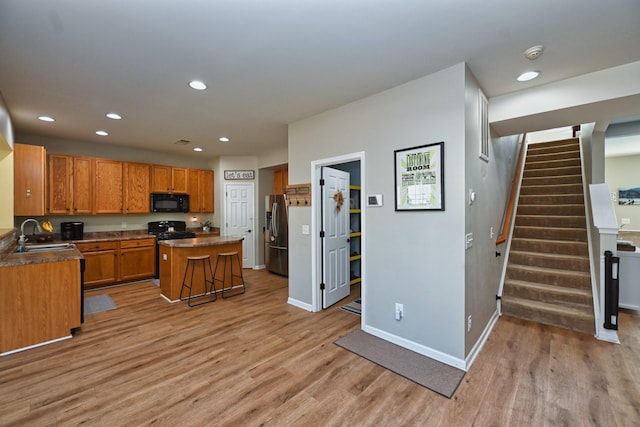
[(46, 248)]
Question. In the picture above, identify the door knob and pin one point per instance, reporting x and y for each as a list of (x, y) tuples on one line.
[(248, 231)]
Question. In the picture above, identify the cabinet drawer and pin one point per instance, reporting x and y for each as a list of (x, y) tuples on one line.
[(96, 246), (137, 243)]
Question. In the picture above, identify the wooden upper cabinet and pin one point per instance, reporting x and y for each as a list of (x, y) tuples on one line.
[(107, 186), (280, 180), (200, 191), (137, 185), (167, 179), (70, 184), (29, 180)]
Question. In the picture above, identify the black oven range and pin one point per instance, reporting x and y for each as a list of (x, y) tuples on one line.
[(167, 230)]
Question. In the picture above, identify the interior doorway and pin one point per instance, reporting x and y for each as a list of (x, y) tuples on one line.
[(354, 164)]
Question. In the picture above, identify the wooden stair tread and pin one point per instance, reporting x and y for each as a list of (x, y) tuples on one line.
[(548, 288)]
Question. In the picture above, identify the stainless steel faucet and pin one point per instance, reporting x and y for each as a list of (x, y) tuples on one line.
[(23, 239)]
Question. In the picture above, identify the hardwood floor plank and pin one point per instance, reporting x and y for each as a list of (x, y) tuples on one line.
[(255, 360)]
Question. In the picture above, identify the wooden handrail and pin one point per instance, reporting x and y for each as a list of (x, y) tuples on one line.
[(506, 224)]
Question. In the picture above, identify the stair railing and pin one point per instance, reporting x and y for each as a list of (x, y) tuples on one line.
[(508, 216)]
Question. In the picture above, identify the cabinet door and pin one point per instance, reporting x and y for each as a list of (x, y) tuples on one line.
[(194, 190), (206, 191), (136, 187), (137, 259), (160, 179), (179, 180), (82, 185), (107, 189), (101, 268), (29, 180), (60, 190), (280, 180)]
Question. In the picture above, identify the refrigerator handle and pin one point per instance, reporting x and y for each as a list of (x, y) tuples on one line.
[(274, 219)]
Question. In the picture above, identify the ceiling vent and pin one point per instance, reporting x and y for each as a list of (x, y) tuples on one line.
[(533, 52), (182, 142)]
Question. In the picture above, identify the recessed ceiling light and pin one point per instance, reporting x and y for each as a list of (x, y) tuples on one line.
[(197, 149), (114, 116), (197, 85), (223, 139), (102, 133), (529, 75), (46, 119)]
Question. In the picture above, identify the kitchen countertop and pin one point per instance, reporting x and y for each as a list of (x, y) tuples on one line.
[(200, 241), (13, 259)]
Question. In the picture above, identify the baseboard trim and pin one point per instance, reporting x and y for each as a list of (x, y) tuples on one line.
[(299, 304), (482, 340)]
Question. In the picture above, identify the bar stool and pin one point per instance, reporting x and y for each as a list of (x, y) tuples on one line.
[(222, 260), (191, 262)]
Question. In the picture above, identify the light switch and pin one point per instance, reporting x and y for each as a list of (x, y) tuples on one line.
[(468, 240), (305, 229)]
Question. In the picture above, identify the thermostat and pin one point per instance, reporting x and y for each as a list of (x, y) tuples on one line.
[(374, 200)]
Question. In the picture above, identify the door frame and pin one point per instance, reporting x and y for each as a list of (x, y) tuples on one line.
[(253, 221), (316, 226)]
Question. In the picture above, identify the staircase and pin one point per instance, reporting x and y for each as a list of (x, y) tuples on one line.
[(548, 275)]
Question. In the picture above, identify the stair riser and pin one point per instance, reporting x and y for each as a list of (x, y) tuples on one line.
[(569, 210), (562, 248), (557, 199), (534, 260), (550, 221), (574, 235), (544, 172), (579, 324), (529, 165), (548, 278), (553, 180), (537, 156), (550, 297), (551, 189)]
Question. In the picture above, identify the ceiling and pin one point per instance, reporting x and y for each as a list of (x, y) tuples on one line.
[(271, 62)]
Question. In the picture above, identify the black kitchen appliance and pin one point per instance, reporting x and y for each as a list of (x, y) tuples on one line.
[(162, 202), (72, 230), (167, 230)]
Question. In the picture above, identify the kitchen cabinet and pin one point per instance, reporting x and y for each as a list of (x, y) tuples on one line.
[(137, 186), (137, 259), (39, 303), (29, 165), (101, 263), (200, 191), (355, 235), (280, 180), (167, 179), (107, 186), (70, 184)]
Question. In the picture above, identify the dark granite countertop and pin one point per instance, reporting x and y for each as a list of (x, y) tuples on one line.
[(201, 241), (13, 259)]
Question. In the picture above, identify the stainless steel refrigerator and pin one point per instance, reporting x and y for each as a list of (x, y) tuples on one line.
[(277, 224)]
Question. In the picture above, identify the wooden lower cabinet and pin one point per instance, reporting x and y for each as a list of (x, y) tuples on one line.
[(39, 303), (101, 263), (137, 259), (107, 263)]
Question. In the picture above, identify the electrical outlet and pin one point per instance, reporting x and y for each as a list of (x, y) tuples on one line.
[(491, 233), (468, 240), (625, 221), (305, 229), (399, 311), (123, 225), (469, 323)]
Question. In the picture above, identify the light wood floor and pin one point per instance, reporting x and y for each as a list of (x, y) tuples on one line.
[(254, 360)]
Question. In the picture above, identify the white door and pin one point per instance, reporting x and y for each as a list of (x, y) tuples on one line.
[(239, 218), (335, 243)]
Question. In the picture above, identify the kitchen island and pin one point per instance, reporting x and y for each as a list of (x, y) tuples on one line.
[(173, 261)]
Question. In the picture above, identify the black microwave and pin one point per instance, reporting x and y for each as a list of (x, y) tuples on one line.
[(162, 202)]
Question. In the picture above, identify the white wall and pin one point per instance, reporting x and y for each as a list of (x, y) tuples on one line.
[(6, 167), (415, 258)]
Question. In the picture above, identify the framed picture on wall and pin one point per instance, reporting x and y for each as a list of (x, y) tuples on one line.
[(419, 178), (629, 196)]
